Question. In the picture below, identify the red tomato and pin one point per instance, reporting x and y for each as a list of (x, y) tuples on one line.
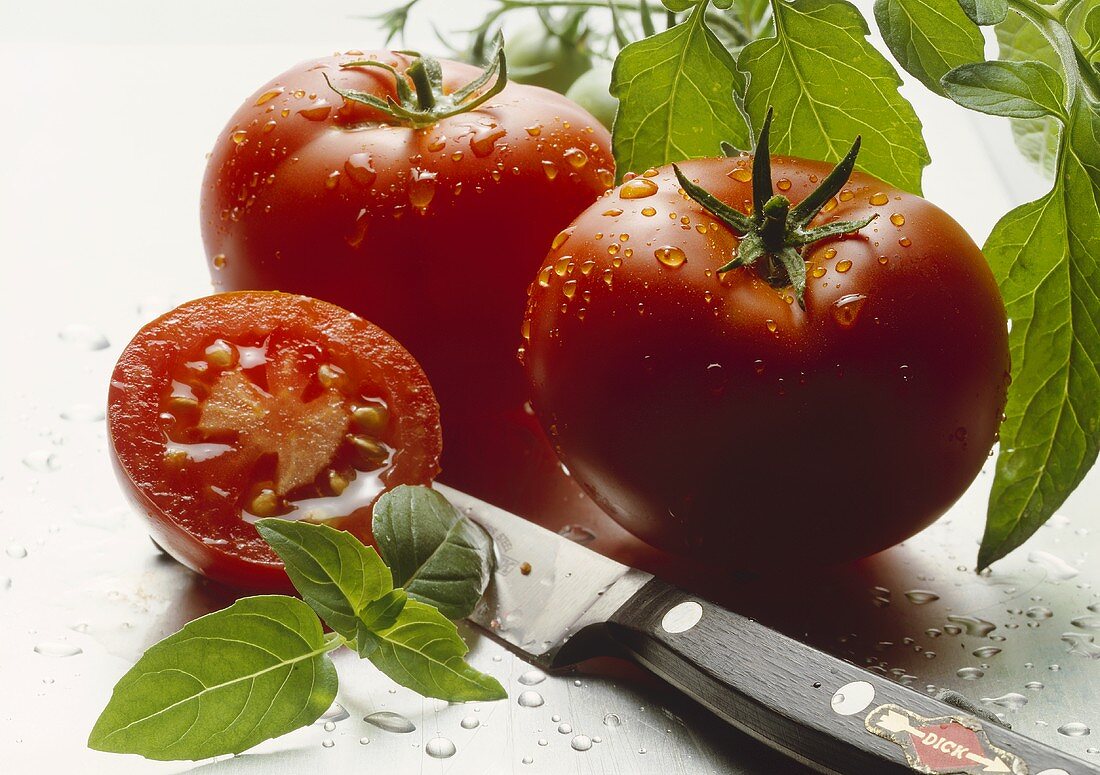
[(432, 232), (709, 413), (256, 404)]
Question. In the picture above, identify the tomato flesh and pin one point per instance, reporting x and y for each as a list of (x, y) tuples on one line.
[(712, 416), (248, 405)]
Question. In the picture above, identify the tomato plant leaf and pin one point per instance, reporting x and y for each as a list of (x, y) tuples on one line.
[(676, 97), (928, 37), (677, 6), (827, 84), (1046, 255), (422, 650), (985, 12), (435, 553), (224, 683), (335, 573), (1013, 89)]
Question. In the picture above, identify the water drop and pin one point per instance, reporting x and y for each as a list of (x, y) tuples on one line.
[(1012, 701), (638, 188), (845, 313), (555, 718), (740, 174), (328, 743), (581, 743), (544, 742), (970, 673), (783, 184), (577, 533), (390, 722), (364, 741), (269, 95), (612, 720), (905, 242), (527, 759), (1034, 685), (1081, 645), (1074, 729), (54, 649), (16, 551), (564, 728), (318, 111), (576, 158), (530, 699), (330, 726), (238, 136), (1039, 612), (986, 651), (973, 625), (336, 712), (843, 265), (360, 169), (439, 748), (470, 722), (897, 219), (421, 189), (670, 256), (878, 198), (1057, 568), (1087, 622), (532, 677), (484, 140)]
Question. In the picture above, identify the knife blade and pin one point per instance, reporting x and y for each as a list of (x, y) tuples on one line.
[(558, 603)]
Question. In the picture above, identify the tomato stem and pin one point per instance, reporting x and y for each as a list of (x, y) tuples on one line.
[(776, 232)]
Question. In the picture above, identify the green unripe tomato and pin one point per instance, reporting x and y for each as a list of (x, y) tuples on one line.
[(591, 92), (538, 57)]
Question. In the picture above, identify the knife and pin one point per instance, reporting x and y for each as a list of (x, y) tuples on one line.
[(558, 603)]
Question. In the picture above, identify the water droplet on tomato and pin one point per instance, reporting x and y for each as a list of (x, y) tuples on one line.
[(606, 176), (771, 325), (549, 169), (332, 180), (218, 261), (905, 242), (740, 174), (818, 271), (544, 277), (670, 256), (897, 219), (843, 265), (318, 111), (360, 169), (269, 95), (569, 289), (846, 309), (238, 136), (576, 157), (649, 212), (638, 188), (421, 189), (878, 198), (484, 140)]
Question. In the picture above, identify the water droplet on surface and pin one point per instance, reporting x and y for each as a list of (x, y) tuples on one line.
[(845, 313), (843, 265), (1081, 645), (577, 533), (484, 140), (970, 673), (783, 184), (543, 741), (389, 721), (612, 720), (16, 551), (638, 188), (771, 325), (85, 337), (439, 748), (1034, 685), (238, 136), (318, 111), (1074, 729), (530, 699), (532, 677), (972, 624), (905, 242), (564, 729), (922, 597), (580, 743), (421, 189), (576, 158), (1012, 701), (878, 198), (328, 743), (330, 726), (527, 759), (986, 651), (470, 722), (336, 712), (55, 649), (740, 174), (1039, 612), (1087, 622), (670, 256), (269, 95), (364, 741), (1056, 568), (360, 169)]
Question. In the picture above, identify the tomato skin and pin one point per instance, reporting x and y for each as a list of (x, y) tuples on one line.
[(207, 534), (446, 279), (715, 417)]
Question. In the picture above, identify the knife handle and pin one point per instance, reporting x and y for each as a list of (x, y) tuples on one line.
[(824, 712)]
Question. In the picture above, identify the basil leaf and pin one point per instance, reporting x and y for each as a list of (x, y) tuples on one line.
[(675, 92), (379, 615), (423, 652), (1046, 255), (929, 37), (334, 572), (435, 553), (827, 84), (224, 683), (1013, 89), (985, 12)]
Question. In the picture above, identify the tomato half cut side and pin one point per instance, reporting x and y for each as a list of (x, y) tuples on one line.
[(240, 406)]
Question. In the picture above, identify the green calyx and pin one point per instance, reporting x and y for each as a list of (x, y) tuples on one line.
[(421, 100), (776, 231)]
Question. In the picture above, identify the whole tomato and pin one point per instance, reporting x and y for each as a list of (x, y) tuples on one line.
[(736, 375), (422, 195)]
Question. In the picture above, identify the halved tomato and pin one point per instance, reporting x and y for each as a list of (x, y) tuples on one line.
[(240, 406)]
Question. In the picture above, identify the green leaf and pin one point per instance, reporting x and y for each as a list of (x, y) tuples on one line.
[(334, 572), (423, 652), (1013, 89), (928, 37), (224, 683), (827, 85), (379, 615), (985, 12), (1046, 255), (435, 553), (675, 93), (677, 6)]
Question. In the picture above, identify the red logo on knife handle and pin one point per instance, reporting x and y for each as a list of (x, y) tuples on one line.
[(944, 745)]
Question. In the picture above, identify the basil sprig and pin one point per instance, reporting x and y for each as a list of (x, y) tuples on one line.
[(261, 668)]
